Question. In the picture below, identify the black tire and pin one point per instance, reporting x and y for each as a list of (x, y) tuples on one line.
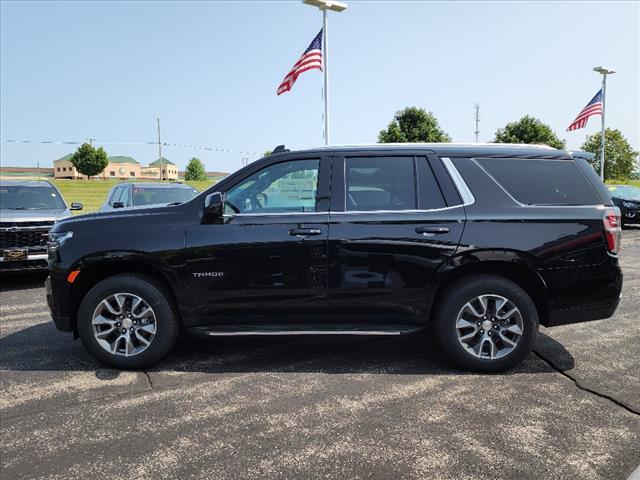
[(145, 287), (463, 291)]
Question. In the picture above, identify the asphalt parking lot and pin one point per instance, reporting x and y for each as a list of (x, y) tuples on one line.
[(320, 407)]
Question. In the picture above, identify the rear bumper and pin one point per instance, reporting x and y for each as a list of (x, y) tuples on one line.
[(596, 297), (585, 313)]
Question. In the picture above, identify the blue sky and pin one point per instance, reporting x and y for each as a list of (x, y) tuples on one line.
[(209, 70)]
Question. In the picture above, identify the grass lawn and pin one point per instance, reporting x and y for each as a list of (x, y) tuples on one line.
[(92, 193)]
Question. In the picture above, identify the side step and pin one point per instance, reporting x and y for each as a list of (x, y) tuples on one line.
[(303, 329)]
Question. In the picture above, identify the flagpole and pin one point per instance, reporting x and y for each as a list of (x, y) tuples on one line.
[(604, 95), (325, 68), (604, 72), (337, 7)]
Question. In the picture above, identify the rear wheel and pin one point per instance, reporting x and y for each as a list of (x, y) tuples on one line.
[(486, 323), (127, 321)]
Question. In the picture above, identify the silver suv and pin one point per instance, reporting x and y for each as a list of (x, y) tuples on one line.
[(28, 209)]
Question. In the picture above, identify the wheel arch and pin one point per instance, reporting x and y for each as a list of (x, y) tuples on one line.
[(513, 266), (94, 270)]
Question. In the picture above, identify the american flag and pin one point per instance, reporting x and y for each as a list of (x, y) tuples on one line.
[(310, 59), (594, 107)]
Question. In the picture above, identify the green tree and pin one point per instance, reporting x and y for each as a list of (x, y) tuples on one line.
[(618, 154), (89, 161), (413, 124), (267, 153), (195, 170), (528, 130)]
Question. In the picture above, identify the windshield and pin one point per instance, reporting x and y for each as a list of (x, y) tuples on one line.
[(162, 195), (19, 197), (626, 191)]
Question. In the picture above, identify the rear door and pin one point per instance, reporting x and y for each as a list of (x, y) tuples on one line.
[(394, 220)]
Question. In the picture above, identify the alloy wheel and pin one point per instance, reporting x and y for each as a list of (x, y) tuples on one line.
[(124, 324), (489, 327)]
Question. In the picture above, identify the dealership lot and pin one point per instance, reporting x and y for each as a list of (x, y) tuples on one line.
[(320, 407)]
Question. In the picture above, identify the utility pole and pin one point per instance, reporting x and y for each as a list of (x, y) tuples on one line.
[(160, 152), (477, 121), (91, 140)]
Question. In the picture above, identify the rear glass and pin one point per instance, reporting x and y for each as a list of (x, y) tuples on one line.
[(542, 182)]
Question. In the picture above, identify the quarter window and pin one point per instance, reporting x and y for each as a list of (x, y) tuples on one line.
[(281, 188), (380, 183), (542, 182)]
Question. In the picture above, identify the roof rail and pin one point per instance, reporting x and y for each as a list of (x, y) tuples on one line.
[(582, 154)]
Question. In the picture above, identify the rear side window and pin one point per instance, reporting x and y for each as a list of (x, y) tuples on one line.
[(542, 182), (380, 183)]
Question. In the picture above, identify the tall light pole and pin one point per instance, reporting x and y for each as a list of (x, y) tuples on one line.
[(604, 72), (160, 151), (325, 5)]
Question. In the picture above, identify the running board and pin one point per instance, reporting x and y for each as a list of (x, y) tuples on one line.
[(307, 329)]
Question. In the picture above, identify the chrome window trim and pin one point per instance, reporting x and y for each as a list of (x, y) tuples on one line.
[(463, 189), (337, 212), (270, 214), (360, 212)]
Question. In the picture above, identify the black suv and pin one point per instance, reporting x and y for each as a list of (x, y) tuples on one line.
[(483, 242)]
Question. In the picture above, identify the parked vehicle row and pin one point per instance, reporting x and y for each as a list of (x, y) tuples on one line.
[(483, 242), (28, 209)]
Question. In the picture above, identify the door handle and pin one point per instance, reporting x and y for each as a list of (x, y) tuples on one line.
[(429, 231), (305, 232)]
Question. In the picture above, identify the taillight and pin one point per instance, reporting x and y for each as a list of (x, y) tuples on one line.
[(612, 229)]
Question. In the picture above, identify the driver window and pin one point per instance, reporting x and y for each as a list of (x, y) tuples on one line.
[(279, 188)]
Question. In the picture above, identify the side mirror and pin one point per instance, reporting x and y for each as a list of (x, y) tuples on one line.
[(213, 208), (118, 205), (76, 206)]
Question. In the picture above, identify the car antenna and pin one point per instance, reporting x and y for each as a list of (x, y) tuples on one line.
[(280, 149)]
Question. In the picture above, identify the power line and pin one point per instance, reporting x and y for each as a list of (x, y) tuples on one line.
[(166, 144)]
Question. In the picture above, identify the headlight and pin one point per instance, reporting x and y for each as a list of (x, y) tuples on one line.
[(629, 205), (57, 239)]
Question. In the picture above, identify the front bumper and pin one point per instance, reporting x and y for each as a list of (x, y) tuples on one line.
[(61, 321), (34, 262), (631, 216)]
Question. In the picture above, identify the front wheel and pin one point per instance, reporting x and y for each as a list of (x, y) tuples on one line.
[(127, 321), (486, 323)]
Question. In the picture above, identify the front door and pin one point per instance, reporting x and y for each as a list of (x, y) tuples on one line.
[(391, 227), (269, 256)]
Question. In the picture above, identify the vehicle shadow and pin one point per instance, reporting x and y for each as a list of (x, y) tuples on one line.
[(11, 281), (42, 348)]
